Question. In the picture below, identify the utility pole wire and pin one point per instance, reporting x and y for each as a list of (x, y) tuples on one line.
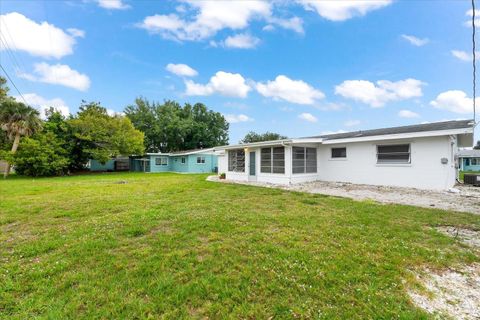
[(474, 65), (13, 83)]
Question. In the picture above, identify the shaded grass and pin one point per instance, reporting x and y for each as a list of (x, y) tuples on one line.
[(177, 246)]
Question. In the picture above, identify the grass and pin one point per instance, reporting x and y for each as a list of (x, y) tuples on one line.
[(138, 246), (462, 173)]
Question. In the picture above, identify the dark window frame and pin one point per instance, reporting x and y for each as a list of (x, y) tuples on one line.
[(159, 161), (394, 153), (338, 153)]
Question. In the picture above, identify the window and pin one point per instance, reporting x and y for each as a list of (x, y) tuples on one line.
[(339, 153), (304, 160), (200, 160), (272, 160), (183, 160), (475, 162), (236, 160), (161, 161), (396, 153)]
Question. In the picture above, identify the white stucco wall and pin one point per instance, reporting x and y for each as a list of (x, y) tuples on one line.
[(424, 172)]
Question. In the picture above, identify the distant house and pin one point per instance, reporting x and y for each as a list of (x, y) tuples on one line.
[(469, 160), (418, 156), (190, 161)]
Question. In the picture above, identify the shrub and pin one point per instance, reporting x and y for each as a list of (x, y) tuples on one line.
[(41, 155)]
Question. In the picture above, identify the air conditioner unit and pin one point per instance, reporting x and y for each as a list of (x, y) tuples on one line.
[(473, 179)]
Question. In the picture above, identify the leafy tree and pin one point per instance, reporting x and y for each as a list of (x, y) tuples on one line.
[(258, 137), (43, 154), (4, 89), (171, 127), (59, 125), (18, 119), (101, 136), (477, 146), (4, 142)]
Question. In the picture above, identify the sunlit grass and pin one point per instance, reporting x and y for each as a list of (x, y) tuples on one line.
[(125, 246)]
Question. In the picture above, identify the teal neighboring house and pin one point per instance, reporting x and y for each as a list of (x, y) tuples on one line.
[(190, 161), (469, 160)]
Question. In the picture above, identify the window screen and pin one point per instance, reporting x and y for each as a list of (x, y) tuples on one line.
[(272, 160), (339, 152), (304, 160), (236, 160), (397, 153)]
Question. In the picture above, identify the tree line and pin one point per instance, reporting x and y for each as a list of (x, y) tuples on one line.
[(59, 145)]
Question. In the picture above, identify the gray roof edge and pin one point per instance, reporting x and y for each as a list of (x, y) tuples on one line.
[(433, 126)]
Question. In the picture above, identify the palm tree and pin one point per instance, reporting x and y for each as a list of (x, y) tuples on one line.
[(18, 119)]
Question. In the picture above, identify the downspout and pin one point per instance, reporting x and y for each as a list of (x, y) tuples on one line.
[(453, 140), (289, 175)]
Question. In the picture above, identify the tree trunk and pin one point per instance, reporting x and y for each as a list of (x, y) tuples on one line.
[(14, 149)]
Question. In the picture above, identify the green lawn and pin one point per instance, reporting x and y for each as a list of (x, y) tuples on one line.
[(462, 173), (134, 246)]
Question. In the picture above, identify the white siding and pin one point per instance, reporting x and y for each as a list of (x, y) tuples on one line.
[(424, 172)]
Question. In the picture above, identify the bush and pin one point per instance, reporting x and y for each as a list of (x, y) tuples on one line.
[(41, 155)]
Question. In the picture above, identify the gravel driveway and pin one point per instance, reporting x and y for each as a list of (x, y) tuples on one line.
[(466, 200)]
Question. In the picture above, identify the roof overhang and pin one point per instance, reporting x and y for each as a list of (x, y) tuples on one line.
[(285, 142), (425, 134)]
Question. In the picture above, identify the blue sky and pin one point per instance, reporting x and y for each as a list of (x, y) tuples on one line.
[(295, 67)]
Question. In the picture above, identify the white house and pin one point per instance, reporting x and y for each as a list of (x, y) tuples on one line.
[(419, 156)]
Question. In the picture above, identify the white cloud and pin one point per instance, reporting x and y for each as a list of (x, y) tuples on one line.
[(42, 104), (181, 70), (223, 83), (60, 74), (76, 33), (469, 13), (209, 17), (241, 41), (415, 41), (462, 55), (455, 101), (236, 118), (352, 123), (113, 4), (38, 39), (307, 117), (377, 95), (268, 27), (295, 91), (113, 113), (408, 114), (295, 24), (343, 10)]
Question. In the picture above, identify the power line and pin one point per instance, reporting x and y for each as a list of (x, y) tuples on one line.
[(474, 65), (13, 83)]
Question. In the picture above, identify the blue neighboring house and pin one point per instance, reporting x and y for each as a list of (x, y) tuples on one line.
[(190, 161), (469, 160)]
